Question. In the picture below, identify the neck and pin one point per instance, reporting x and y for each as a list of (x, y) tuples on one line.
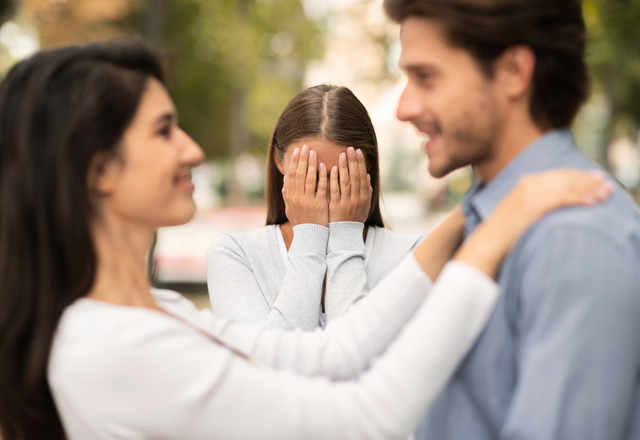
[(517, 132), (121, 276)]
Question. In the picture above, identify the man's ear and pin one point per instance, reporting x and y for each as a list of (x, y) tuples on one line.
[(104, 172), (514, 70)]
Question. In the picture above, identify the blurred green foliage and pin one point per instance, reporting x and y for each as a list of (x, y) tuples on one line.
[(236, 64), (614, 58)]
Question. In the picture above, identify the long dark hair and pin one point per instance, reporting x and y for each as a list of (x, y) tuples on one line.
[(330, 112), (62, 114)]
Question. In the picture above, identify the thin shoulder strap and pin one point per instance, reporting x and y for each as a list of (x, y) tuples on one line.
[(210, 336)]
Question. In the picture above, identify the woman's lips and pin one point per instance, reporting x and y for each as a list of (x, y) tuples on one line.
[(183, 181)]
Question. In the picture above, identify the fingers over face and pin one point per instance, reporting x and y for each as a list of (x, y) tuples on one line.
[(343, 172), (322, 182), (354, 170), (362, 171), (284, 189), (312, 173), (292, 171), (301, 172), (334, 185)]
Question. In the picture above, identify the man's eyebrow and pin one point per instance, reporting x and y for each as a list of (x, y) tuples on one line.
[(412, 67)]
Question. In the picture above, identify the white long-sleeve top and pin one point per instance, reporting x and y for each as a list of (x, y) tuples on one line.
[(134, 373), (252, 284)]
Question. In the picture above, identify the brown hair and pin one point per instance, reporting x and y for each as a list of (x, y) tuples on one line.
[(324, 111), (554, 29)]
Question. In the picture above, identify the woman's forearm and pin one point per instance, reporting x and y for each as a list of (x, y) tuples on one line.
[(440, 246)]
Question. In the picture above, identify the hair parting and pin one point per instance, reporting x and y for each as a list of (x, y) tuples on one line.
[(327, 112)]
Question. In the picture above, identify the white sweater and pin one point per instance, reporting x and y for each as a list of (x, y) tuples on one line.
[(250, 283), (119, 372)]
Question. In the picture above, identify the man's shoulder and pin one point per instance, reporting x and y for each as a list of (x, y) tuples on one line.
[(580, 240), (618, 220)]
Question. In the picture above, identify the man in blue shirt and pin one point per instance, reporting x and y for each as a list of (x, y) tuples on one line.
[(495, 84)]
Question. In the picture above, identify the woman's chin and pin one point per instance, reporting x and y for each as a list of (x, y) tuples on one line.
[(181, 216)]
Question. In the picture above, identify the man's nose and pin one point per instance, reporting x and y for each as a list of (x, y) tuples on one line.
[(409, 106)]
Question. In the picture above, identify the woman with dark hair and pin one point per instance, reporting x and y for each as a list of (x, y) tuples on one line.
[(92, 162), (310, 263)]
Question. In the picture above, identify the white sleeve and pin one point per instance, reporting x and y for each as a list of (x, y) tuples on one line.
[(346, 280), (349, 343), (174, 384), (235, 293)]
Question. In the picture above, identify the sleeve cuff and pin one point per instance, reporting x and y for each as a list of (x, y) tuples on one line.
[(309, 238), (346, 236), (412, 264)]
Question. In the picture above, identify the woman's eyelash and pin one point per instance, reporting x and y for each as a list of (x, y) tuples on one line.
[(165, 131)]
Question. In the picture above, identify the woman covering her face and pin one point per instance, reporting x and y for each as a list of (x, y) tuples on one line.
[(92, 162), (316, 256)]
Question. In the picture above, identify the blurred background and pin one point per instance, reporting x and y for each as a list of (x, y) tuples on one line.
[(234, 64)]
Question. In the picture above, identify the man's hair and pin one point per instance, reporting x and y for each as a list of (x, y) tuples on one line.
[(554, 29)]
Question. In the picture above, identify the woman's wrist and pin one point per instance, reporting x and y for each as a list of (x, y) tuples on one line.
[(309, 221), (489, 244), (346, 236), (310, 238), (441, 244)]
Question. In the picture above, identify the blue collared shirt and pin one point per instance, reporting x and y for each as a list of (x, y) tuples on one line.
[(560, 356)]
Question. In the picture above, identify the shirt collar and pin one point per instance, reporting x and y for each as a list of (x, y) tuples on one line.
[(540, 155)]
